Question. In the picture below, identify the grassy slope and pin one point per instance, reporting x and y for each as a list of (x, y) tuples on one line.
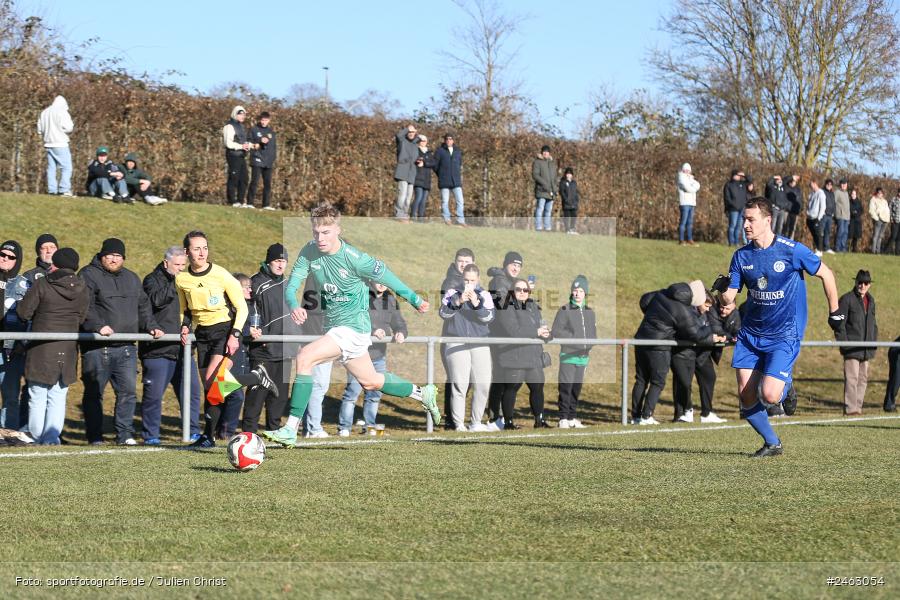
[(619, 272)]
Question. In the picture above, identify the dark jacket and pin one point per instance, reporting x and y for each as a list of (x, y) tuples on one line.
[(267, 300), (56, 303), (728, 326), (519, 320), (118, 300), (100, 170), (794, 198), (830, 203), (424, 173), (466, 320), (133, 176), (448, 167), (159, 286), (573, 321), (500, 287), (568, 192), (543, 172), (240, 137), (776, 195), (452, 280), (385, 314), (860, 325), (266, 154), (668, 315), (40, 270), (11, 278), (407, 152), (734, 195), (856, 213)]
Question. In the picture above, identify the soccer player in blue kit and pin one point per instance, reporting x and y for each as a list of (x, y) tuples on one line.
[(771, 267)]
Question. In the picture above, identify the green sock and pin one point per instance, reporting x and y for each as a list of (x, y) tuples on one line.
[(396, 386), (300, 394)]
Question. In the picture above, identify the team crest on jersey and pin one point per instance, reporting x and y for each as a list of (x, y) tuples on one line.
[(213, 300), (344, 273), (778, 266), (330, 288), (762, 283), (378, 269)]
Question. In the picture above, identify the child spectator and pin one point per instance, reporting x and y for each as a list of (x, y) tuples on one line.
[(574, 320), (568, 192)]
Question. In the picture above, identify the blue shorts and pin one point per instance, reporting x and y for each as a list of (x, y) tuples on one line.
[(774, 357)]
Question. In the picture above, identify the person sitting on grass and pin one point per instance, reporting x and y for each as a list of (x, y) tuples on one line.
[(105, 178), (138, 182), (341, 272)]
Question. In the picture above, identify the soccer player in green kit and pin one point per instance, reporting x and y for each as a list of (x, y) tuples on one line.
[(341, 272)]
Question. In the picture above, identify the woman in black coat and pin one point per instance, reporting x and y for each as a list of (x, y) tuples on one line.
[(424, 168), (521, 363), (856, 212)]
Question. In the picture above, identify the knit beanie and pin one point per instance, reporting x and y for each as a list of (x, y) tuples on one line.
[(65, 258), (43, 239), (698, 292), (276, 252), (512, 257), (580, 282), (112, 246)]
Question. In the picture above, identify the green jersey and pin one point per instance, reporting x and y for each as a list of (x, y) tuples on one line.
[(342, 278)]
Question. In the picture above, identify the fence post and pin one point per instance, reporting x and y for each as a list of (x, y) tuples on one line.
[(429, 379), (624, 382), (186, 380)]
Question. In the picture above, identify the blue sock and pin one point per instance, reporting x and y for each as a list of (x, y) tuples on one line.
[(759, 420)]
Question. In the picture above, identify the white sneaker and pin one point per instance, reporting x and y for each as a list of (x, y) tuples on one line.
[(818, 253), (491, 426), (635, 421), (109, 195), (237, 205), (318, 434), (129, 442), (687, 417), (712, 418), (564, 424), (67, 195), (478, 427), (576, 424), (500, 424), (268, 208), (461, 428), (343, 433), (154, 200), (25, 437), (649, 421), (829, 251), (247, 206)]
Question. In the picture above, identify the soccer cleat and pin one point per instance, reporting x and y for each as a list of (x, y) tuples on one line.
[(265, 380), (768, 450), (790, 402), (712, 418), (775, 410), (429, 403), (203, 442), (285, 436)]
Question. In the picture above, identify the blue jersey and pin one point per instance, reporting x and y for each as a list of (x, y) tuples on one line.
[(776, 292)]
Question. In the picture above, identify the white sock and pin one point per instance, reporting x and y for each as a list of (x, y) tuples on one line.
[(294, 423)]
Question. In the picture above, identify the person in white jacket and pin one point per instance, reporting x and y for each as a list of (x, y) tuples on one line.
[(687, 202), (54, 126), (880, 211)]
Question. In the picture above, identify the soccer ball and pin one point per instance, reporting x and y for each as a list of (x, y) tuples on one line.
[(246, 451)]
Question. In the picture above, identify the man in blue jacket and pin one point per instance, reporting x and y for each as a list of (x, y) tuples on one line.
[(449, 171)]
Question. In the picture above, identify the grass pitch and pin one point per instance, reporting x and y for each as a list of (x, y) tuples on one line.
[(604, 513)]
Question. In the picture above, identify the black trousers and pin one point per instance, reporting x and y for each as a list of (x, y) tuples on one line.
[(705, 371), (815, 231), (512, 381), (790, 225), (571, 378), (893, 385), (237, 177), (893, 245), (259, 396), (651, 369), (266, 174), (495, 394), (449, 424), (569, 215), (683, 364)]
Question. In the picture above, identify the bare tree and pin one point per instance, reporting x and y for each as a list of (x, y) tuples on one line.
[(374, 103), (805, 82)]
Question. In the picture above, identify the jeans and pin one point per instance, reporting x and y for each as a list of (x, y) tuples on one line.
[(445, 204), (116, 365), (158, 373), (826, 232), (370, 403), (790, 226), (779, 216), (543, 211), (877, 232), (404, 198), (418, 207), (59, 158), (12, 368), (843, 228), (686, 224), (321, 380), (103, 186), (734, 227), (46, 411)]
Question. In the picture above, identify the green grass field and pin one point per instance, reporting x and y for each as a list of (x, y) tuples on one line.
[(610, 512)]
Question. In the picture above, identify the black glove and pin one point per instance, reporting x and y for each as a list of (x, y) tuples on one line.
[(720, 285), (836, 321)]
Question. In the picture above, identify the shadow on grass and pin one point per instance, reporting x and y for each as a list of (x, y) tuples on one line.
[(851, 425), (216, 469), (532, 444)]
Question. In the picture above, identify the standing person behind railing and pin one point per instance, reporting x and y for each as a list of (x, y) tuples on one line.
[(57, 303), (500, 288), (12, 355), (686, 361), (893, 384), (573, 320), (667, 316), (726, 322), (469, 310), (118, 305), (860, 325), (453, 280)]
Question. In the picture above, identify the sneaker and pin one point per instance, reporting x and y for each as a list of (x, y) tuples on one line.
[(317, 435), (98, 443), (285, 436), (818, 253), (478, 428), (67, 195), (541, 424), (343, 433), (829, 251), (372, 431), (712, 418), (429, 403), (128, 442), (248, 206), (194, 437), (203, 442), (635, 421), (268, 208), (491, 426), (155, 200), (648, 421), (265, 380), (564, 424), (110, 196), (461, 428), (152, 442), (687, 417), (499, 424), (126, 199), (769, 450), (237, 205), (576, 424)]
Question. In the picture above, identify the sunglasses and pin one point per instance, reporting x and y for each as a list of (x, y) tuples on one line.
[(7, 256), (519, 289)]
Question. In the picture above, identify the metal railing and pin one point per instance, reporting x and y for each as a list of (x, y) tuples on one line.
[(431, 343)]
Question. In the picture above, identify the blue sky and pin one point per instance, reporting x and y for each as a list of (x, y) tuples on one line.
[(566, 49)]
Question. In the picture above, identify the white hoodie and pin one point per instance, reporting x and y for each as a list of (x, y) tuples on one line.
[(55, 124)]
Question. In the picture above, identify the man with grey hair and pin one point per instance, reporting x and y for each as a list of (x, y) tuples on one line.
[(162, 362), (405, 173)]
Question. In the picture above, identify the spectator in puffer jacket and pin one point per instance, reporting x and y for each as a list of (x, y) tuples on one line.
[(105, 179), (568, 194), (574, 320), (667, 316), (405, 171), (13, 287)]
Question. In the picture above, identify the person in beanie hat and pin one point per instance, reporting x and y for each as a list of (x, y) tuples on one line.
[(270, 315), (573, 320), (13, 287), (860, 325), (44, 247), (502, 294), (57, 303)]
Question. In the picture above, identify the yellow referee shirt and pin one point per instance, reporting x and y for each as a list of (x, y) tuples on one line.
[(207, 296)]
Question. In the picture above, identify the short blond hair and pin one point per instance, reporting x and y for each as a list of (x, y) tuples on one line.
[(325, 214)]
